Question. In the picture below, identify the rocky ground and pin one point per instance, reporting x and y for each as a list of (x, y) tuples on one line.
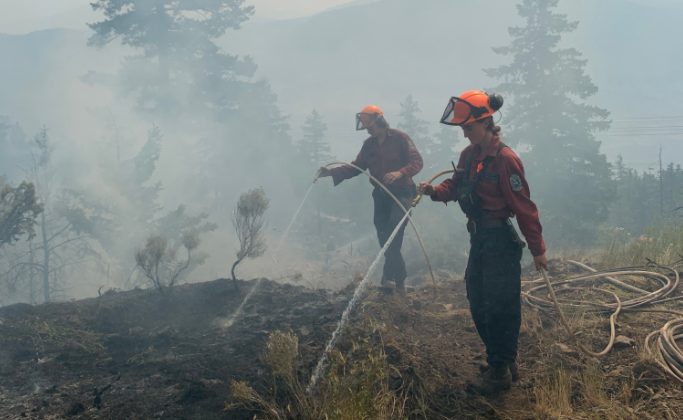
[(143, 355)]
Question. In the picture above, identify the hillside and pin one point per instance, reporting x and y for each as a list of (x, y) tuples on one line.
[(141, 355)]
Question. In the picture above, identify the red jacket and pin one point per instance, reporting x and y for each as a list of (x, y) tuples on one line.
[(396, 153), (503, 190)]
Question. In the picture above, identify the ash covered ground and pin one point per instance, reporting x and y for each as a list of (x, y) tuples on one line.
[(142, 355)]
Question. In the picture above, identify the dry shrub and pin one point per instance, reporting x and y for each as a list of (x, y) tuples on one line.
[(354, 387), (553, 396), (281, 353)]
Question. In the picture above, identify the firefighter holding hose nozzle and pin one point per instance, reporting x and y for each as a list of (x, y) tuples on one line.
[(490, 186), (392, 158)]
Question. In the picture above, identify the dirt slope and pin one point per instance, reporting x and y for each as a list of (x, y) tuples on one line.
[(141, 355)]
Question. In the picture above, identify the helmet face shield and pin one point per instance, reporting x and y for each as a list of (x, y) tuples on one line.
[(459, 112), (364, 120)]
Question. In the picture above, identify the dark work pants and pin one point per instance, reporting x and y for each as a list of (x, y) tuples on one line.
[(493, 280), (387, 216)]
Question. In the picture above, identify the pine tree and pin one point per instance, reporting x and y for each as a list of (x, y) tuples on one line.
[(412, 124), (442, 149), (181, 71), (198, 91), (120, 217), (315, 150), (569, 177), (313, 147)]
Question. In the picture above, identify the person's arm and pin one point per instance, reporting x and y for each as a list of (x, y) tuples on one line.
[(517, 195), (447, 190), (415, 163), (341, 173)]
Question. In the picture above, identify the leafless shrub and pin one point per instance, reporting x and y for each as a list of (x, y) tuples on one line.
[(159, 262), (249, 219)]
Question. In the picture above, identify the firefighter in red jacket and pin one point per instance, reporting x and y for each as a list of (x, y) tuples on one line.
[(490, 186), (392, 158)]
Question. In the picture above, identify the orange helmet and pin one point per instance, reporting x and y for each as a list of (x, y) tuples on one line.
[(367, 117), (471, 106)]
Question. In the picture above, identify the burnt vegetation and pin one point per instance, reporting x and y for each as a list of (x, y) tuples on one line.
[(141, 214)]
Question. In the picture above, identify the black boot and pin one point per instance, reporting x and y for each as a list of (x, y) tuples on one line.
[(401, 287), (386, 285), (514, 370), (494, 380)]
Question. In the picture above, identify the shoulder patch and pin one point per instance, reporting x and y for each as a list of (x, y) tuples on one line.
[(516, 183), (411, 145)]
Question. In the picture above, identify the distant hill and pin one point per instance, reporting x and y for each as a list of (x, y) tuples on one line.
[(341, 60), (381, 51)]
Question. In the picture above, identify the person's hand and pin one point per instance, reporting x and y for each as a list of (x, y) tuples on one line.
[(392, 177), (324, 172), (541, 261), (425, 189)]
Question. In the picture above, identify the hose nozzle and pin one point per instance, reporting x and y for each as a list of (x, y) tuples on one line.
[(317, 175), (417, 200)]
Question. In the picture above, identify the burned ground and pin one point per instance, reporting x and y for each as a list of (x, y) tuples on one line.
[(141, 355)]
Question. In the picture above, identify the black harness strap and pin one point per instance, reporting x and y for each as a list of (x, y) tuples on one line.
[(485, 164)]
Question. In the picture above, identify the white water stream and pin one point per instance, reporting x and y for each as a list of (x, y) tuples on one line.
[(358, 294), (284, 235), (230, 321)]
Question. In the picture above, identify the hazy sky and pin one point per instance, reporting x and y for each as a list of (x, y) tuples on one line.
[(22, 16)]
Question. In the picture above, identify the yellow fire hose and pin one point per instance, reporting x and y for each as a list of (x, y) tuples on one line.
[(670, 355), (430, 180)]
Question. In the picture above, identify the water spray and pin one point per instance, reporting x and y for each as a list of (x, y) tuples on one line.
[(357, 295), (284, 235), (400, 205), (240, 309)]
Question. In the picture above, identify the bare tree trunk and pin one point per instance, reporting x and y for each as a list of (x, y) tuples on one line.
[(234, 279), (320, 231), (31, 278), (661, 183), (46, 260)]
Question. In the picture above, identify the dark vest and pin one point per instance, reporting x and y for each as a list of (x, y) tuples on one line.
[(470, 202)]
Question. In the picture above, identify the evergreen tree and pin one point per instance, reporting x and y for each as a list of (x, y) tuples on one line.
[(199, 91), (569, 177), (181, 71), (437, 151), (313, 147), (16, 151), (128, 211), (442, 148), (314, 150), (413, 125)]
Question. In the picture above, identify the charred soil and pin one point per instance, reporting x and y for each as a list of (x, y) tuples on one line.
[(142, 355)]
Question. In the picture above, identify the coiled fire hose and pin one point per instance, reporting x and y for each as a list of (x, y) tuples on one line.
[(669, 357), (410, 219)]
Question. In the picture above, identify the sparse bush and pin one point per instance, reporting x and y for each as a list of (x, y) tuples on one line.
[(354, 387), (249, 220), (159, 262)]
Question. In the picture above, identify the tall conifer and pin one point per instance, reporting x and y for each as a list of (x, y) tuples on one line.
[(549, 123)]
